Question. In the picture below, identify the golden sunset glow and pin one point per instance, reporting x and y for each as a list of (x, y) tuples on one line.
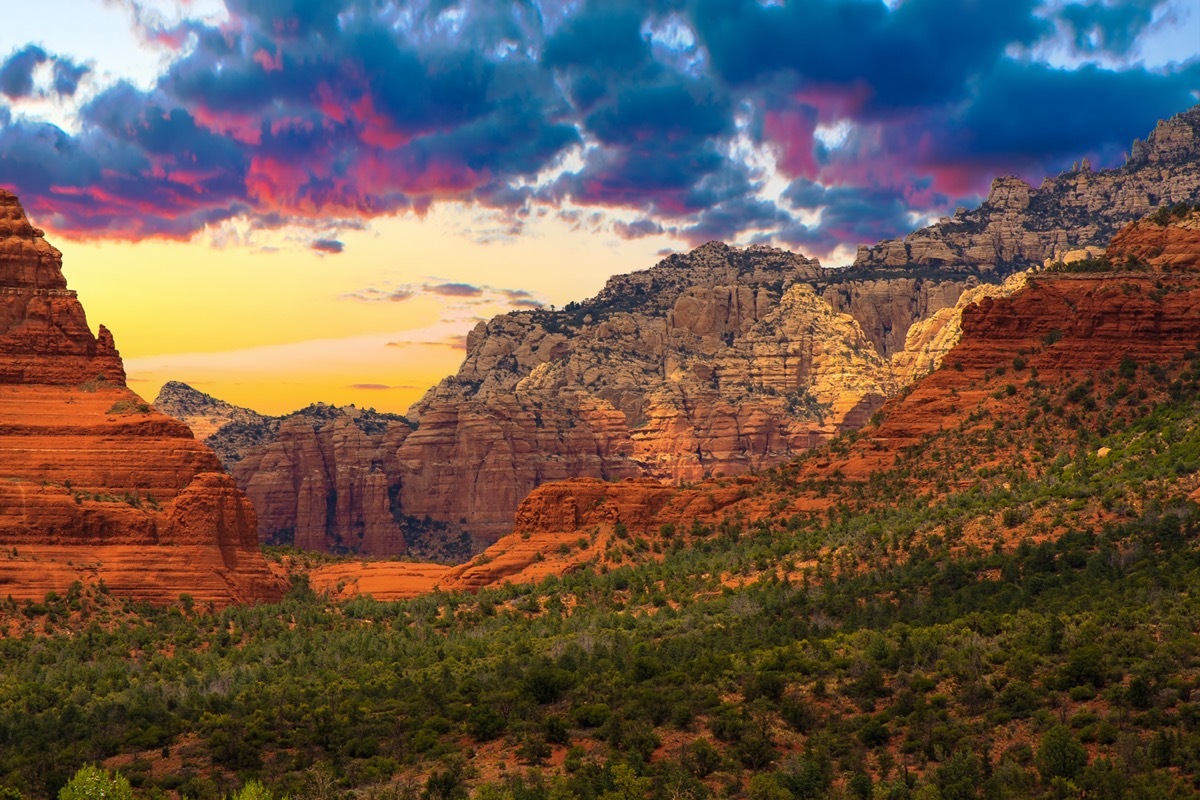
[(274, 325)]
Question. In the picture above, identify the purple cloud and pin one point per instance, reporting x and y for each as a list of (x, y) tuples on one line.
[(670, 110)]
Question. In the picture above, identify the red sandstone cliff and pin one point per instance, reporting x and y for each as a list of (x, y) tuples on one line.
[(95, 485), (1167, 241)]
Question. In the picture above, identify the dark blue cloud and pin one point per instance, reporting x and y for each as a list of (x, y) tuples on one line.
[(289, 19), (310, 109), (330, 246), (1077, 109), (603, 36), (849, 214), (684, 111), (925, 51), (726, 220), (16, 75), (67, 75), (1098, 27)]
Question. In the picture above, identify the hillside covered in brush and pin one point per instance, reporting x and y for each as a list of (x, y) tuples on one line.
[(985, 593)]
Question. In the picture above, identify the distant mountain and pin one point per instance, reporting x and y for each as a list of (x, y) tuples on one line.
[(319, 477), (232, 431), (1020, 226), (206, 415)]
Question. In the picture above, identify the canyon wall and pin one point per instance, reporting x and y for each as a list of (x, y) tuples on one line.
[(1048, 331)]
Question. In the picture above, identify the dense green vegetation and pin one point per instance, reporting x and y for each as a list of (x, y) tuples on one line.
[(877, 649), (1165, 215)]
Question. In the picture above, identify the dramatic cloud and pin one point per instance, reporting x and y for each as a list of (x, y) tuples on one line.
[(17, 73), (1097, 27), (684, 116), (16, 76)]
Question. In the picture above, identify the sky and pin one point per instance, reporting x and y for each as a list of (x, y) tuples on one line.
[(290, 201)]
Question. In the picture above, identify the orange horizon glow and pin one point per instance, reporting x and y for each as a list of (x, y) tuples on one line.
[(270, 324)]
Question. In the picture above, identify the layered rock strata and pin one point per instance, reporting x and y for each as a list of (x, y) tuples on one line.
[(718, 361), (1060, 326), (1171, 242), (94, 484), (320, 478), (1068, 326)]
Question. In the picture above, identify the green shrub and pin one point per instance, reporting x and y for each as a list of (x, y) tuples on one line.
[(253, 791), (1060, 755), (93, 783)]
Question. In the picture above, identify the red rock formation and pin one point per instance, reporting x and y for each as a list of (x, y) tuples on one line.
[(1096, 322), (722, 360), (472, 463), (95, 485), (325, 486), (1063, 325), (1174, 245)]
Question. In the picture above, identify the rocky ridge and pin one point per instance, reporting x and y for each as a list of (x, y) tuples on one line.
[(94, 484), (206, 415), (1020, 226), (723, 360), (1058, 329), (1057, 346)]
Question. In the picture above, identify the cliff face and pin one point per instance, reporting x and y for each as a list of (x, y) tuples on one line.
[(321, 478), (1021, 351), (886, 308), (327, 484), (930, 339), (93, 483), (960, 427), (717, 361), (1020, 226), (1168, 241)]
